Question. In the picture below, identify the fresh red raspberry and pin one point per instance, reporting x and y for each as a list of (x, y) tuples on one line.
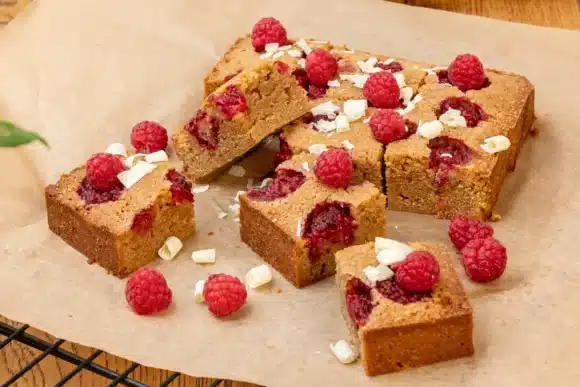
[(382, 90), (466, 72), (484, 260), (230, 102), (391, 290), (388, 126), (358, 301), (462, 230), (148, 137), (224, 294), (147, 292), (102, 171), (419, 272), (473, 113), (268, 30), (321, 67), (393, 67), (334, 168)]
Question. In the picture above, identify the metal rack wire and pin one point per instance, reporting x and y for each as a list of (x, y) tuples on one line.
[(20, 335)]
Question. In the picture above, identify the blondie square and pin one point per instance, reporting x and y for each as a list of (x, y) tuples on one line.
[(237, 116), (296, 224), (396, 329), (122, 229)]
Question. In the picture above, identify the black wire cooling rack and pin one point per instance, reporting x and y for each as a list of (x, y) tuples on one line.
[(9, 334)]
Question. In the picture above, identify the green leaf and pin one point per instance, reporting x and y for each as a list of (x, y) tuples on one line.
[(12, 136)]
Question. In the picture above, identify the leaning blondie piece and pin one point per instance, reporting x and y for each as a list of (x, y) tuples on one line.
[(121, 229), (236, 117), (297, 224), (396, 329)]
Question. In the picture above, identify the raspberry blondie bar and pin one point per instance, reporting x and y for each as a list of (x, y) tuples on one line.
[(460, 131), (396, 328), (236, 117), (307, 222), (120, 226)]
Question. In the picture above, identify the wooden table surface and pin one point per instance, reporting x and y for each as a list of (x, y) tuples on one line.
[(554, 13)]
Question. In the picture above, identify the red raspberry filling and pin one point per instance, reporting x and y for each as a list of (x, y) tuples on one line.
[(443, 77), (148, 137), (230, 102), (328, 223), (310, 118), (358, 301), (446, 153), (282, 68), (346, 66), (268, 30), (473, 113), (205, 128), (313, 91), (393, 67), (285, 153), (462, 230), (180, 188), (391, 290), (285, 182), (411, 127), (382, 90), (143, 220), (91, 196), (321, 67), (484, 260)]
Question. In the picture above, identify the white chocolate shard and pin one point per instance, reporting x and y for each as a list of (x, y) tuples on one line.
[(304, 46), (132, 175), (430, 129), (333, 83), (343, 351), (157, 157), (200, 189), (317, 149), (295, 53), (258, 276), (378, 273), (305, 166), (358, 80), (271, 48), (496, 144), (198, 292), (170, 248), (237, 171), (117, 149), (328, 108), (400, 78), (347, 145), (390, 251), (342, 123), (355, 109), (203, 256)]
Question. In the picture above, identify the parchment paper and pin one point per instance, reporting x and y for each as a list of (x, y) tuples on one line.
[(83, 72)]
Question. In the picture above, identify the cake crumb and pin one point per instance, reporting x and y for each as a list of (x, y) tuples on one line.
[(210, 233), (277, 290), (495, 217)]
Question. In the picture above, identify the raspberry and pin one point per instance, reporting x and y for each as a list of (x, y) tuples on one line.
[(147, 292), (462, 230), (389, 289), (388, 126), (443, 76), (472, 112), (102, 171), (310, 118), (268, 30), (285, 153), (328, 223), (230, 102), (321, 67), (282, 68), (205, 128), (382, 90), (143, 221), (419, 272), (334, 168), (346, 66), (411, 127), (180, 188), (358, 301), (315, 92), (91, 196), (466, 72), (393, 67), (484, 260), (301, 78), (447, 152), (285, 182), (224, 294), (148, 137)]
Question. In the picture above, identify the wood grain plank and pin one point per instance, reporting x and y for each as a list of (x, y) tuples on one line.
[(555, 13)]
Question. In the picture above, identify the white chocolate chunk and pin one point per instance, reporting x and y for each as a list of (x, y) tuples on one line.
[(301, 62), (342, 123), (407, 94), (378, 273), (317, 149), (277, 55), (400, 78), (355, 109), (129, 161), (325, 126), (198, 292), (496, 144), (203, 256), (333, 83), (299, 228), (266, 55), (157, 157), (222, 215), (418, 98), (258, 276), (304, 46), (327, 108), (199, 189), (430, 129), (358, 80), (305, 166), (390, 251), (271, 48), (453, 120), (170, 248), (132, 175), (347, 145), (448, 155), (295, 53), (369, 66), (343, 352), (117, 149), (237, 171), (285, 48)]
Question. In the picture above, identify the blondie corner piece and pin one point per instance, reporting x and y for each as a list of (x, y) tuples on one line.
[(123, 229), (297, 224), (396, 329), (237, 116)]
